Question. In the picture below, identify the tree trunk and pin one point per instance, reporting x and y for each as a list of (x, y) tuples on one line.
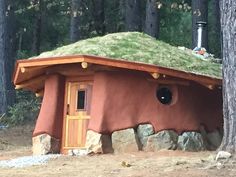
[(76, 12), (20, 41), (132, 15), (7, 93), (199, 13), (152, 22), (216, 23), (121, 25), (37, 28), (99, 16), (228, 26)]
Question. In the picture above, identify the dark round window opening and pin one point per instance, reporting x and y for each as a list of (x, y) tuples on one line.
[(164, 95)]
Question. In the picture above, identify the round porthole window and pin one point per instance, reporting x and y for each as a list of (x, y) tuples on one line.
[(164, 95)]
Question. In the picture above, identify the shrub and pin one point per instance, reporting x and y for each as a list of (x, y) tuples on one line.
[(24, 110)]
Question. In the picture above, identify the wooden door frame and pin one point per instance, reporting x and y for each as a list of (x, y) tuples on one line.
[(87, 79)]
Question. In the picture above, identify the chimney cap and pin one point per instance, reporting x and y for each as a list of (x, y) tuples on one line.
[(203, 23)]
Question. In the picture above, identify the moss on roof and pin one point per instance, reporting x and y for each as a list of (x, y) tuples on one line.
[(139, 47)]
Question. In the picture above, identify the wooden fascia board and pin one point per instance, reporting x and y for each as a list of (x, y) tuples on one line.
[(152, 68), (120, 63), (114, 63), (44, 62), (51, 61), (190, 76)]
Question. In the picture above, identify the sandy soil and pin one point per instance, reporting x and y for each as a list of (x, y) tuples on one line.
[(16, 142)]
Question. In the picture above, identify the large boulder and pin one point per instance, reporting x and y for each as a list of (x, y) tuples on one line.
[(125, 141), (191, 141), (45, 144), (98, 143), (143, 131), (166, 139)]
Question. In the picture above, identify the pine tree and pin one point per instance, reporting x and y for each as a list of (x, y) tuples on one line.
[(99, 16), (132, 15), (75, 22), (152, 22), (37, 26)]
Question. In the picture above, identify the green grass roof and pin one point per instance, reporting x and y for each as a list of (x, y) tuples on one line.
[(139, 47)]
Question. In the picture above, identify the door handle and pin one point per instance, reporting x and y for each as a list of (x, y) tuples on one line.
[(67, 109)]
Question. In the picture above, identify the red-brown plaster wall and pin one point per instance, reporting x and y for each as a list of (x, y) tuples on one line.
[(50, 117), (125, 99)]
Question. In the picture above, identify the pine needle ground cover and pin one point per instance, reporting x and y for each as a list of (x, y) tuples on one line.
[(139, 47)]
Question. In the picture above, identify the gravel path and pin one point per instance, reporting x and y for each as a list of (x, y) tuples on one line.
[(27, 161)]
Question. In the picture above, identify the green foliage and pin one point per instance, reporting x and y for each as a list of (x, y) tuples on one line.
[(176, 25), (55, 24), (113, 17), (24, 110), (22, 54)]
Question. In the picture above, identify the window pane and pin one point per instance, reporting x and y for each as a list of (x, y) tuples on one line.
[(81, 99)]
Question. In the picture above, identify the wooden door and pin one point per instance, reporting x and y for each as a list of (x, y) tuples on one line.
[(78, 114)]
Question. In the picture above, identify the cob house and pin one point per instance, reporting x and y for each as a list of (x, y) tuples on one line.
[(125, 91)]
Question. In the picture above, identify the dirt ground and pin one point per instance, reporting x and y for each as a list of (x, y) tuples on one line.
[(16, 142)]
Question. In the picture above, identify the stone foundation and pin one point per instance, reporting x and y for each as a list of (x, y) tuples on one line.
[(126, 141), (133, 140), (144, 138), (191, 141), (98, 143), (166, 139), (45, 144)]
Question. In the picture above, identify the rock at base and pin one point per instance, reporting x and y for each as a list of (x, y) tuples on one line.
[(98, 143), (191, 141), (125, 141), (45, 144), (143, 131), (166, 139), (78, 152), (223, 155)]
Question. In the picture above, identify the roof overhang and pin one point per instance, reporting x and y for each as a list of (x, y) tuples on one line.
[(39, 67)]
